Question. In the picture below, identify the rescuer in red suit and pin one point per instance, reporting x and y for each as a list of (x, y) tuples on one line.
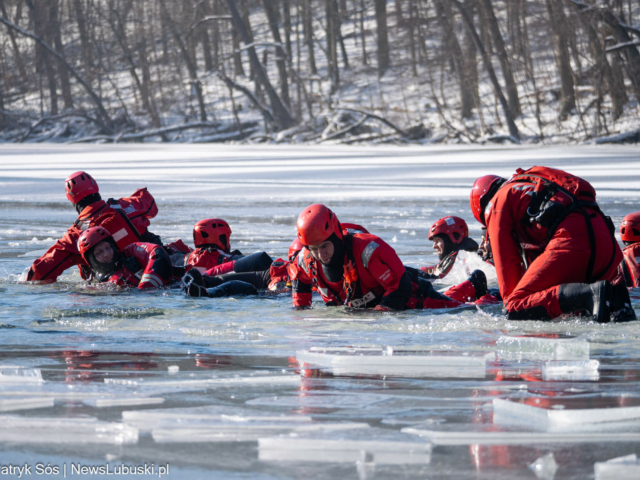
[(558, 213), (449, 235), (630, 235), (358, 270), (213, 251), (275, 279), (126, 219), (142, 265)]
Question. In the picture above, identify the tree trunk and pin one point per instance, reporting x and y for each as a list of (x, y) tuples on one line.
[(503, 58), (39, 16), (513, 129), (338, 27), (281, 56), (454, 52), (54, 23), (559, 29), (190, 63), (383, 37), (286, 10), (363, 33), (307, 31), (412, 39), (280, 113), (469, 58), (22, 71), (332, 45), (238, 69)]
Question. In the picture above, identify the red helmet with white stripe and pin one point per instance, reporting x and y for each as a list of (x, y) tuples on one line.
[(455, 227), (80, 185)]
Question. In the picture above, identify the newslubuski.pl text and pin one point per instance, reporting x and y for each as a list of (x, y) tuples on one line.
[(47, 469)]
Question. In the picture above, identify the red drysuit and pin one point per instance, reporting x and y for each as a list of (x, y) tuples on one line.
[(138, 209), (565, 257), (145, 266)]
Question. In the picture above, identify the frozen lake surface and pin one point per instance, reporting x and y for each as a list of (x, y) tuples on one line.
[(214, 387)]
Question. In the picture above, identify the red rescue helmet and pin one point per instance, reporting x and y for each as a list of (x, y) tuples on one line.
[(294, 248), (90, 238), (630, 228), (212, 231), (482, 192), (80, 185), (455, 227), (316, 224)]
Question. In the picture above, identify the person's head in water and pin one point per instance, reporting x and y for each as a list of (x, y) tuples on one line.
[(82, 190), (630, 228), (320, 231), (451, 234), (212, 233), (100, 251)]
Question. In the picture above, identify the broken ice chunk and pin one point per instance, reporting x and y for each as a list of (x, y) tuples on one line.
[(208, 381), (147, 420), (12, 404), (545, 467), (620, 468), (20, 375), (542, 347), (366, 465), (122, 402), (233, 431), (540, 412), (571, 370), (489, 434), (401, 362), (53, 430), (328, 400), (385, 447)]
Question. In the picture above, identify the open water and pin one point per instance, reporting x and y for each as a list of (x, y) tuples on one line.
[(88, 375)]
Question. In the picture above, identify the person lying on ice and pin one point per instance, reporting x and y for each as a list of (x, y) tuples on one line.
[(275, 279), (212, 238), (449, 235), (131, 216), (629, 270), (142, 265), (558, 213), (358, 270)]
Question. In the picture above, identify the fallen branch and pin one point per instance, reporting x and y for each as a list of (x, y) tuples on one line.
[(148, 133), (207, 19), (622, 46), (346, 130), (626, 137), (266, 113), (53, 119), (377, 117)]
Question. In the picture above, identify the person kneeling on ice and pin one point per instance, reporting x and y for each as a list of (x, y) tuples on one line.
[(558, 213), (275, 279), (212, 238), (449, 235), (630, 235), (142, 265), (127, 217), (358, 270)]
